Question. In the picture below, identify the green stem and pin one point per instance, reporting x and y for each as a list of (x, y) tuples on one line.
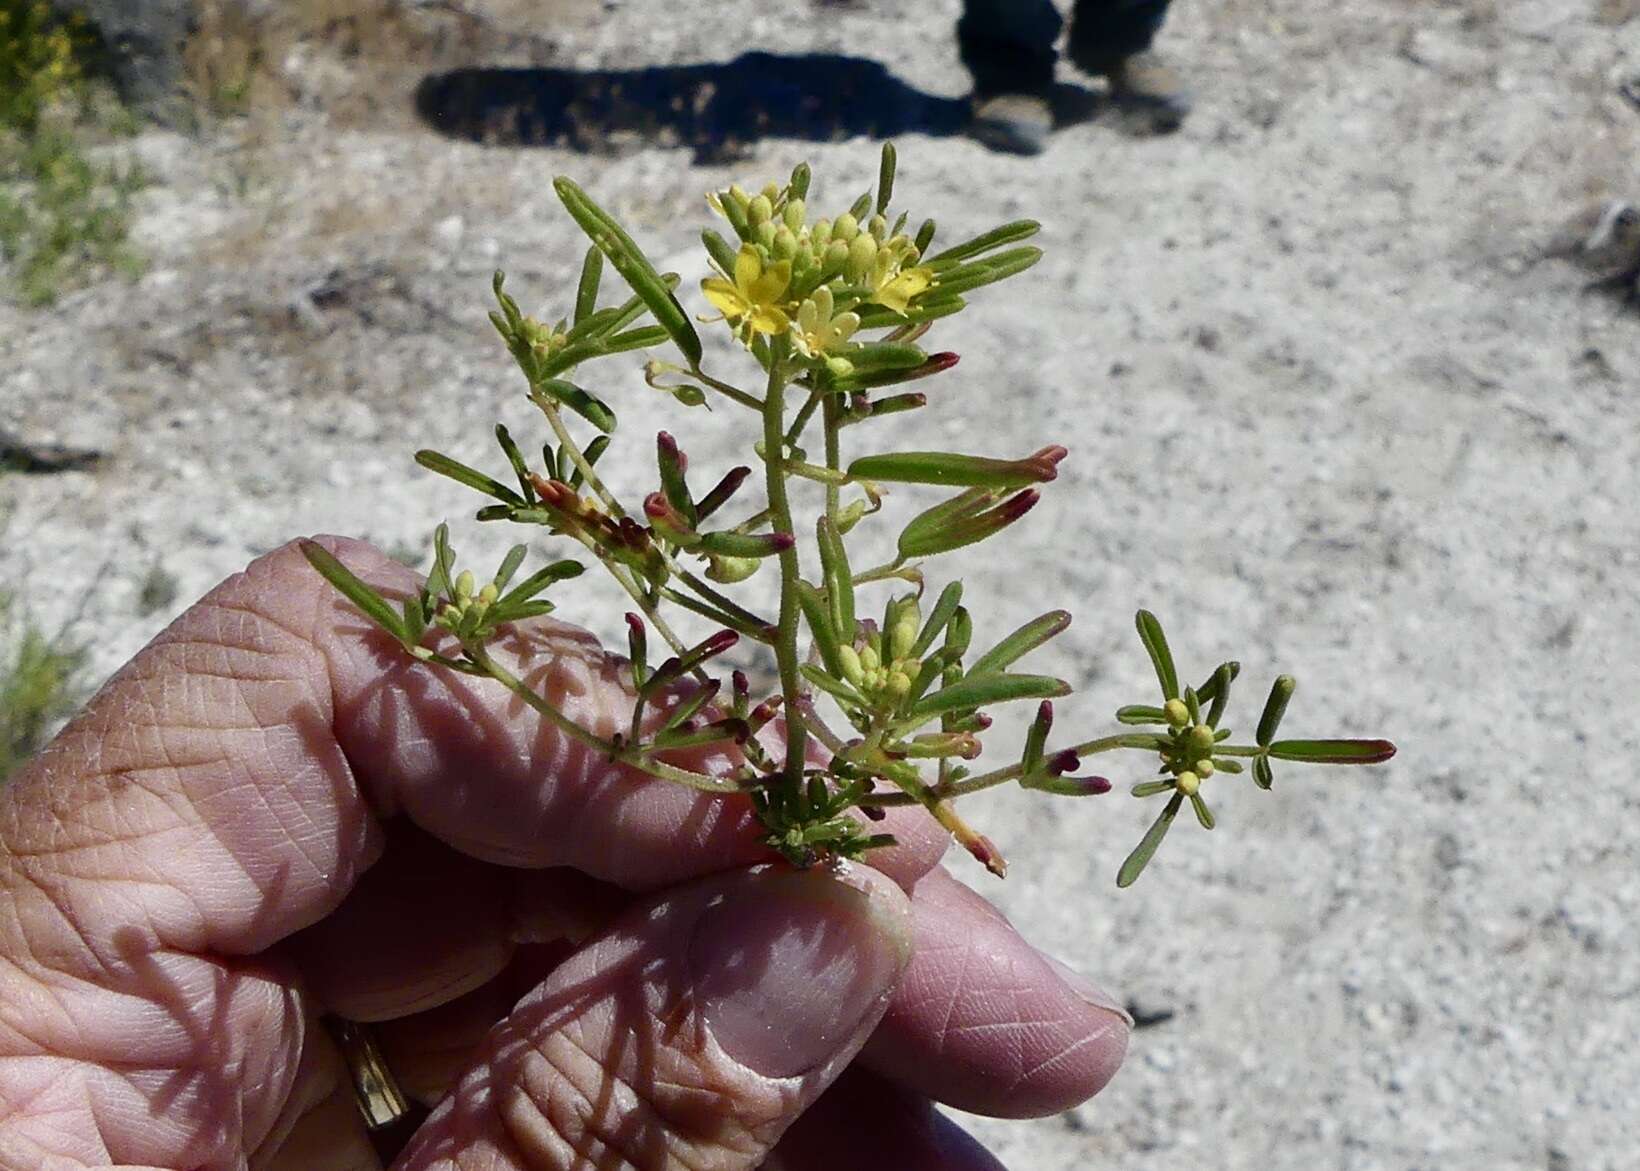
[(727, 390), (1000, 776), (833, 457), (880, 573), (780, 511), (633, 756), (579, 459)]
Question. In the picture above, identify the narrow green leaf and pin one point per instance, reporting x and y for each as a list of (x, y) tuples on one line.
[(720, 250), (949, 468), (509, 566), (832, 686), (1022, 642), (441, 582), (1036, 738), (1216, 692), (355, 590), (540, 580), (435, 461), (1138, 713), (1151, 788), (522, 610), (861, 207), (516, 459), (986, 272), (1262, 776), (612, 240), (732, 544), (944, 608), (1333, 751), (633, 339), (925, 236), (586, 293), (1006, 234), (972, 692), (798, 185), (1281, 691), (567, 394), (886, 356), (927, 308), (885, 177), (1146, 849), (1150, 633), (815, 613), (1203, 813)]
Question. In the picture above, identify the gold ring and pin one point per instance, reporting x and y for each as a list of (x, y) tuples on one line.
[(375, 1089)]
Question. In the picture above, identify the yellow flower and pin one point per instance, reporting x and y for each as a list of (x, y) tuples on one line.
[(752, 302), (818, 332), (894, 287)]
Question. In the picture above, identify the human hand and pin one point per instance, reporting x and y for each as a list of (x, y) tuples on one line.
[(271, 814)]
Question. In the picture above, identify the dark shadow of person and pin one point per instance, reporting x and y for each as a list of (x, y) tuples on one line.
[(717, 109)]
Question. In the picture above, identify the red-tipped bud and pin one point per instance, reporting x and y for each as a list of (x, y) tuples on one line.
[(726, 487), (985, 850), (1062, 762), (670, 450), (1048, 460)]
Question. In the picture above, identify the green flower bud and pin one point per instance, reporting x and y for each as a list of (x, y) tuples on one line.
[(870, 659), (899, 684), (760, 210), (785, 244), (732, 569), (1200, 739), (738, 194), (902, 638), (465, 581), (1177, 714), (853, 670), (1204, 768), (488, 595), (771, 192), (764, 234), (842, 367), (820, 234), (793, 214), (836, 257), (862, 252), (1188, 784), (877, 226), (846, 228)]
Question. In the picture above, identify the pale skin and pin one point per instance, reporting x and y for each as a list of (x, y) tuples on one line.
[(271, 814)]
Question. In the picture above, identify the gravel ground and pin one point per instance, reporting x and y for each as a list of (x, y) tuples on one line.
[(1327, 415)]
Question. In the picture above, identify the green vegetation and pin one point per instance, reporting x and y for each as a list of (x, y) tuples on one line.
[(64, 216), (41, 682)]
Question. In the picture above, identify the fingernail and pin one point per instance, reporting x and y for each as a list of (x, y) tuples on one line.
[(793, 968), (1088, 990)]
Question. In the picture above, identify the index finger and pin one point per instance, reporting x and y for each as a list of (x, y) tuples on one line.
[(225, 789)]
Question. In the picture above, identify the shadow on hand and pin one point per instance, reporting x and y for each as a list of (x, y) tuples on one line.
[(718, 109)]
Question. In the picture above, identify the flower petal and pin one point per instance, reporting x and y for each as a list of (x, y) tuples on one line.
[(748, 267)]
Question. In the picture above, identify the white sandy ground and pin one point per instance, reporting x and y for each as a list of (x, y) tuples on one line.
[(1325, 417)]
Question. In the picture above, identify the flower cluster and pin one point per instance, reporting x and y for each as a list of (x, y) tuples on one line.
[(811, 280)]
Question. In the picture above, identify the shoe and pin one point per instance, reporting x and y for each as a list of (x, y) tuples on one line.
[(1012, 123), (1145, 84)]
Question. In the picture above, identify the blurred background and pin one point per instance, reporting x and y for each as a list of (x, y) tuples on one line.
[(1333, 409)]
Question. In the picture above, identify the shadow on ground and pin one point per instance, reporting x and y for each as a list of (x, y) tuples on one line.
[(718, 109)]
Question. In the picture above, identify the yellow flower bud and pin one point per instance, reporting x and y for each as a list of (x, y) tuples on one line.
[(899, 684), (877, 226), (764, 234), (465, 581), (869, 659), (488, 595), (1204, 768), (820, 234), (771, 192), (785, 244), (1177, 714), (793, 214), (760, 210), (846, 228), (1200, 739), (1188, 784)]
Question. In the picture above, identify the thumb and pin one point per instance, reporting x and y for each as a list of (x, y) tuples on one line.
[(686, 1038)]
